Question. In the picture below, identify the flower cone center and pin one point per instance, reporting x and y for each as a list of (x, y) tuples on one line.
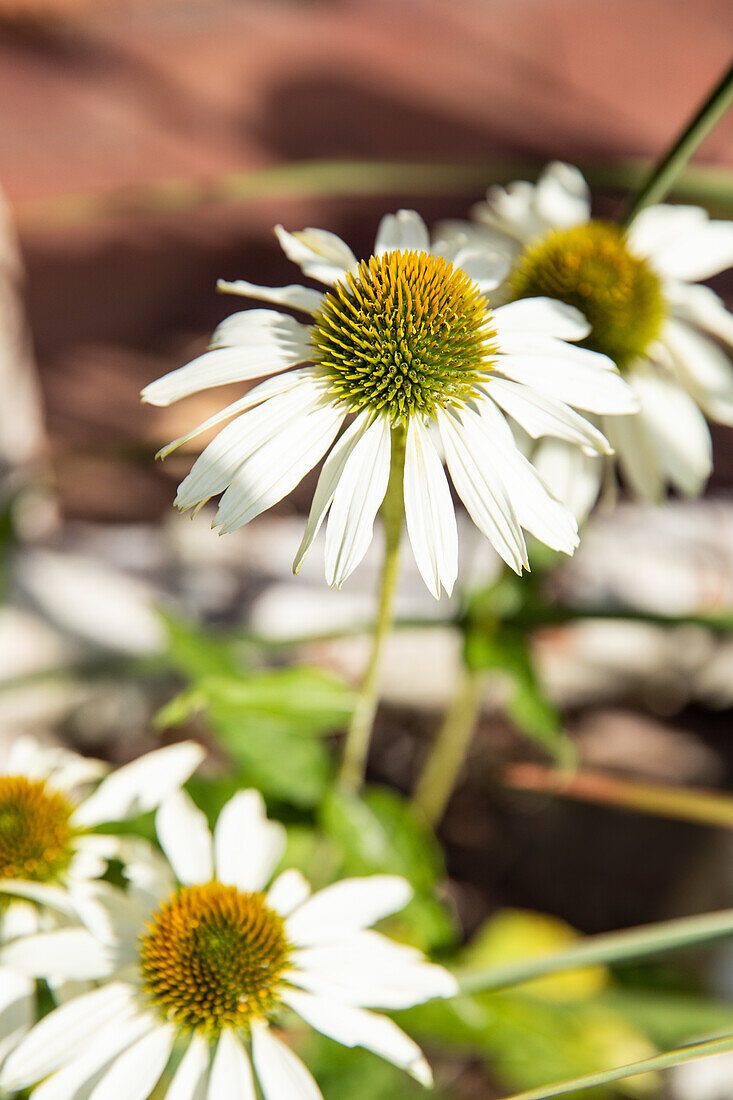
[(35, 830), (212, 956), (591, 267), (406, 333)]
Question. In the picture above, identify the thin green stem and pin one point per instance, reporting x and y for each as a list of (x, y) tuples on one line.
[(662, 178), (448, 753), (359, 733)]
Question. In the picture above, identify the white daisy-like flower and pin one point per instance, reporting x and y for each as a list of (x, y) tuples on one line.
[(638, 289), (203, 981), (404, 352), (50, 857)]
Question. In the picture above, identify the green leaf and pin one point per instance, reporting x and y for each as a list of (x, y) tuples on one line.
[(306, 701), (670, 1019), (661, 1061), (194, 652), (504, 650)]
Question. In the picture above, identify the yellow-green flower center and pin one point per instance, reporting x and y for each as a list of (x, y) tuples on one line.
[(212, 956), (591, 267), (35, 830), (406, 333)]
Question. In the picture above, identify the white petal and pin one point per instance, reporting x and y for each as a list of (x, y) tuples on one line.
[(141, 785), (696, 254), (429, 512), (247, 847), (541, 316), (571, 476), (677, 429), (355, 984), (58, 955), (184, 836), (288, 891), (17, 1008), (134, 1075), (511, 210), (356, 500), (404, 231), (480, 489), (355, 1027), (273, 387), (329, 478), (231, 1072), (189, 1082), (318, 253), (487, 269), (54, 896), (561, 197), (541, 415), (573, 378), (701, 306), (636, 456), (266, 342), (346, 906), (657, 225), (65, 1033), (217, 464), (293, 296), (281, 1075), (546, 518), (703, 368), (278, 466), (68, 1083)]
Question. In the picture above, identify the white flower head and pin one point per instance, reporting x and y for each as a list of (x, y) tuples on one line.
[(402, 346), (220, 963), (637, 288)]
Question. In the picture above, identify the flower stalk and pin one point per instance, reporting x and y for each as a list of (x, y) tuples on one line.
[(447, 756), (663, 176), (359, 733)]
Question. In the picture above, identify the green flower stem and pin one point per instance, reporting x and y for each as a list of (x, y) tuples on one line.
[(358, 736), (444, 763), (662, 178)]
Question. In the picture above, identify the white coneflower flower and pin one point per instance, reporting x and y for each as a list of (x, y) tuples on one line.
[(637, 288), (219, 961), (49, 853), (404, 343)]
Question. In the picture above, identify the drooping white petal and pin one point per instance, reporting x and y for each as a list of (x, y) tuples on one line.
[(265, 343), (17, 1008), (703, 369), (356, 1027), (231, 1071), (696, 254), (273, 387), (41, 892), (562, 197), (247, 847), (136, 1072), (636, 456), (318, 253), (328, 480), (217, 464), (701, 306), (288, 891), (677, 430), (278, 466), (294, 296), (65, 1033), (429, 512), (346, 906), (64, 953), (404, 231), (574, 378), (281, 1074), (183, 833), (478, 485), (540, 316), (356, 500), (537, 511), (655, 226), (571, 475), (541, 415), (141, 785), (77, 1076), (189, 1081)]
